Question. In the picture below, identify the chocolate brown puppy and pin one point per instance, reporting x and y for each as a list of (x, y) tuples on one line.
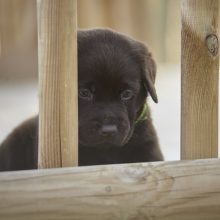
[(116, 74)]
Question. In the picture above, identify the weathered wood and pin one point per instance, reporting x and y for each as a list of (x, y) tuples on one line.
[(57, 51), (200, 65), (164, 191)]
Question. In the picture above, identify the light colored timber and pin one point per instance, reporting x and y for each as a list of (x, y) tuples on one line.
[(57, 52), (156, 191), (200, 69)]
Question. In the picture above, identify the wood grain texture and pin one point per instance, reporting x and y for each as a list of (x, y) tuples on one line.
[(156, 191), (57, 52), (200, 63)]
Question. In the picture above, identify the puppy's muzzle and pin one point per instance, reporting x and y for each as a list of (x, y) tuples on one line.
[(108, 130)]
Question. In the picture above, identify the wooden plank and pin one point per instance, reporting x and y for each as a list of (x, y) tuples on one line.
[(200, 67), (163, 190), (57, 51)]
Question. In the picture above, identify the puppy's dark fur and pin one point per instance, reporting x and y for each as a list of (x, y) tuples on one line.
[(116, 74)]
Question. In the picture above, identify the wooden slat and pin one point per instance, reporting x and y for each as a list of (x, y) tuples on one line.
[(164, 191), (57, 52), (200, 64)]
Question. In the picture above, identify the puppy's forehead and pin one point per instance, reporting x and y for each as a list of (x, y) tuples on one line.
[(108, 63), (108, 58)]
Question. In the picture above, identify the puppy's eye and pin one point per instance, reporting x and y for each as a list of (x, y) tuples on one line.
[(126, 95), (85, 94)]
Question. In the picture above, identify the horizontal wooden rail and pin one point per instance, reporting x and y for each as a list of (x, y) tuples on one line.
[(161, 190)]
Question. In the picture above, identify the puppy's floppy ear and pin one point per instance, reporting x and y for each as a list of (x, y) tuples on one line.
[(150, 75), (148, 72)]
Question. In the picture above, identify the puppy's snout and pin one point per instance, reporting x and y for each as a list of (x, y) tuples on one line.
[(108, 130)]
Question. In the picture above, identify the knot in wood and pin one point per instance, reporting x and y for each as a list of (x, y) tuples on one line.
[(212, 44), (133, 174), (108, 189)]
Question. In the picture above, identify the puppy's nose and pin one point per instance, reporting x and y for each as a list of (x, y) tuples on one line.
[(109, 130)]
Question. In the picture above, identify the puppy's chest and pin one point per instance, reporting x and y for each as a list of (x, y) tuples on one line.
[(95, 156)]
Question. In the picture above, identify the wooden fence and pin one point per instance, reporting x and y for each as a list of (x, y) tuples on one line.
[(200, 67), (160, 190), (57, 55)]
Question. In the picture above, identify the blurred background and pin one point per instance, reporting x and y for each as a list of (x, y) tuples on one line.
[(155, 22)]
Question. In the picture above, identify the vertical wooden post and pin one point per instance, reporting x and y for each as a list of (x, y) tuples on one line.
[(57, 52), (200, 66)]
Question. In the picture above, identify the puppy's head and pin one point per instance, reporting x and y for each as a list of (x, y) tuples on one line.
[(116, 74)]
